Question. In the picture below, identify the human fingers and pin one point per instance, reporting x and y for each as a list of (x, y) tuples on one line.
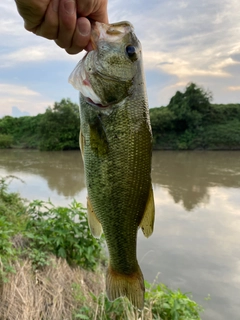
[(32, 12), (93, 9), (67, 23), (49, 27), (81, 36)]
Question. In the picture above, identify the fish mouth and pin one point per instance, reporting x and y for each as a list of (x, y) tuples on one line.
[(111, 32), (98, 105)]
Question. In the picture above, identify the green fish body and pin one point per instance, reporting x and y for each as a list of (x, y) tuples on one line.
[(116, 145)]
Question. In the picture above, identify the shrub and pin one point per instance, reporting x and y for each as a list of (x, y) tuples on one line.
[(160, 303), (7, 251), (6, 140), (62, 231)]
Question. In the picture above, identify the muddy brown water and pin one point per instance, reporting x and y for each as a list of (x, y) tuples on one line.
[(196, 242)]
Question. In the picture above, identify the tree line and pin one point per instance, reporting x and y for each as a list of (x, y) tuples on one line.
[(56, 129), (189, 121)]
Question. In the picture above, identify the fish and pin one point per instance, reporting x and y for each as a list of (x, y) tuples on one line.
[(116, 146)]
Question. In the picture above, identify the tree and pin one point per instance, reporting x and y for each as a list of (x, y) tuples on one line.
[(191, 107), (59, 127)]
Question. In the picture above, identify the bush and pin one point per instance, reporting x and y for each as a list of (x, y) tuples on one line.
[(63, 232), (11, 205), (59, 127), (10, 224), (7, 252), (160, 303), (6, 140), (162, 120), (225, 136)]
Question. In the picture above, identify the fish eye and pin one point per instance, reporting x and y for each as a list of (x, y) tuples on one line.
[(131, 51)]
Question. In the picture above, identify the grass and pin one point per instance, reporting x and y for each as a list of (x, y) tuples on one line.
[(52, 268)]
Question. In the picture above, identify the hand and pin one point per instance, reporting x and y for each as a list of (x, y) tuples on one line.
[(65, 21)]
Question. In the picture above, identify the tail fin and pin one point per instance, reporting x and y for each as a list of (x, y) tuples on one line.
[(131, 286)]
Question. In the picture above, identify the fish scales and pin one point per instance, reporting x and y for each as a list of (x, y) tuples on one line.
[(125, 165), (116, 144)]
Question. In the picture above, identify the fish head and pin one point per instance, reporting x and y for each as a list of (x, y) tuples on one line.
[(105, 76)]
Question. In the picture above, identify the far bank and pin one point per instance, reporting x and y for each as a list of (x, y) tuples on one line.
[(188, 122)]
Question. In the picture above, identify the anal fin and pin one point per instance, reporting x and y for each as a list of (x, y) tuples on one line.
[(94, 224), (147, 222)]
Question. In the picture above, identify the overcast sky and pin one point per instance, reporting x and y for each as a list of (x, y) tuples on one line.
[(183, 41)]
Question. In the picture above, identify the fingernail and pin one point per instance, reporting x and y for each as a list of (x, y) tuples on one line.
[(70, 7), (83, 28)]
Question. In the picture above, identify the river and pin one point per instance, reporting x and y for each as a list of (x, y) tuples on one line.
[(196, 241)]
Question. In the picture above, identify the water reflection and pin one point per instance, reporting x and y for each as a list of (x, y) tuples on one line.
[(186, 175), (189, 175), (63, 171)]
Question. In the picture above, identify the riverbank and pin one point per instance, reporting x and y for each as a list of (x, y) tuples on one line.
[(52, 268), (188, 122)]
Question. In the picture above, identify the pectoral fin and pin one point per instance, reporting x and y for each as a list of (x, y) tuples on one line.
[(98, 138), (94, 224), (147, 222)]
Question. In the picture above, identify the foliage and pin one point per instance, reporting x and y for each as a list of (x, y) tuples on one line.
[(167, 304), (46, 229), (182, 124), (190, 107), (162, 120), (160, 303), (6, 140), (10, 225), (224, 136), (62, 231), (7, 251), (59, 128), (190, 121), (56, 129), (11, 205)]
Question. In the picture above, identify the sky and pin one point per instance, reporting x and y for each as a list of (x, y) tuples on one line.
[(183, 41)]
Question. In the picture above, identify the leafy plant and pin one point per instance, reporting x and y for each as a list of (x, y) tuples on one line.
[(11, 204), (64, 232), (6, 140), (161, 303), (7, 251), (170, 305)]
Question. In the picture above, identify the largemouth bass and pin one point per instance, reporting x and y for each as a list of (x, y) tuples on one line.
[(116, 145)]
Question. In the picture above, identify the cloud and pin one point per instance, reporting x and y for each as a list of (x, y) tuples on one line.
[(22, 98), (191, 40), (234, 88), (16, 112), (6, 89), (20, 46), (183, 41)]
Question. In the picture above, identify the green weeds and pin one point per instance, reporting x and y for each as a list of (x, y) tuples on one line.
[(63, 232), (6, 140), (161, 303)]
